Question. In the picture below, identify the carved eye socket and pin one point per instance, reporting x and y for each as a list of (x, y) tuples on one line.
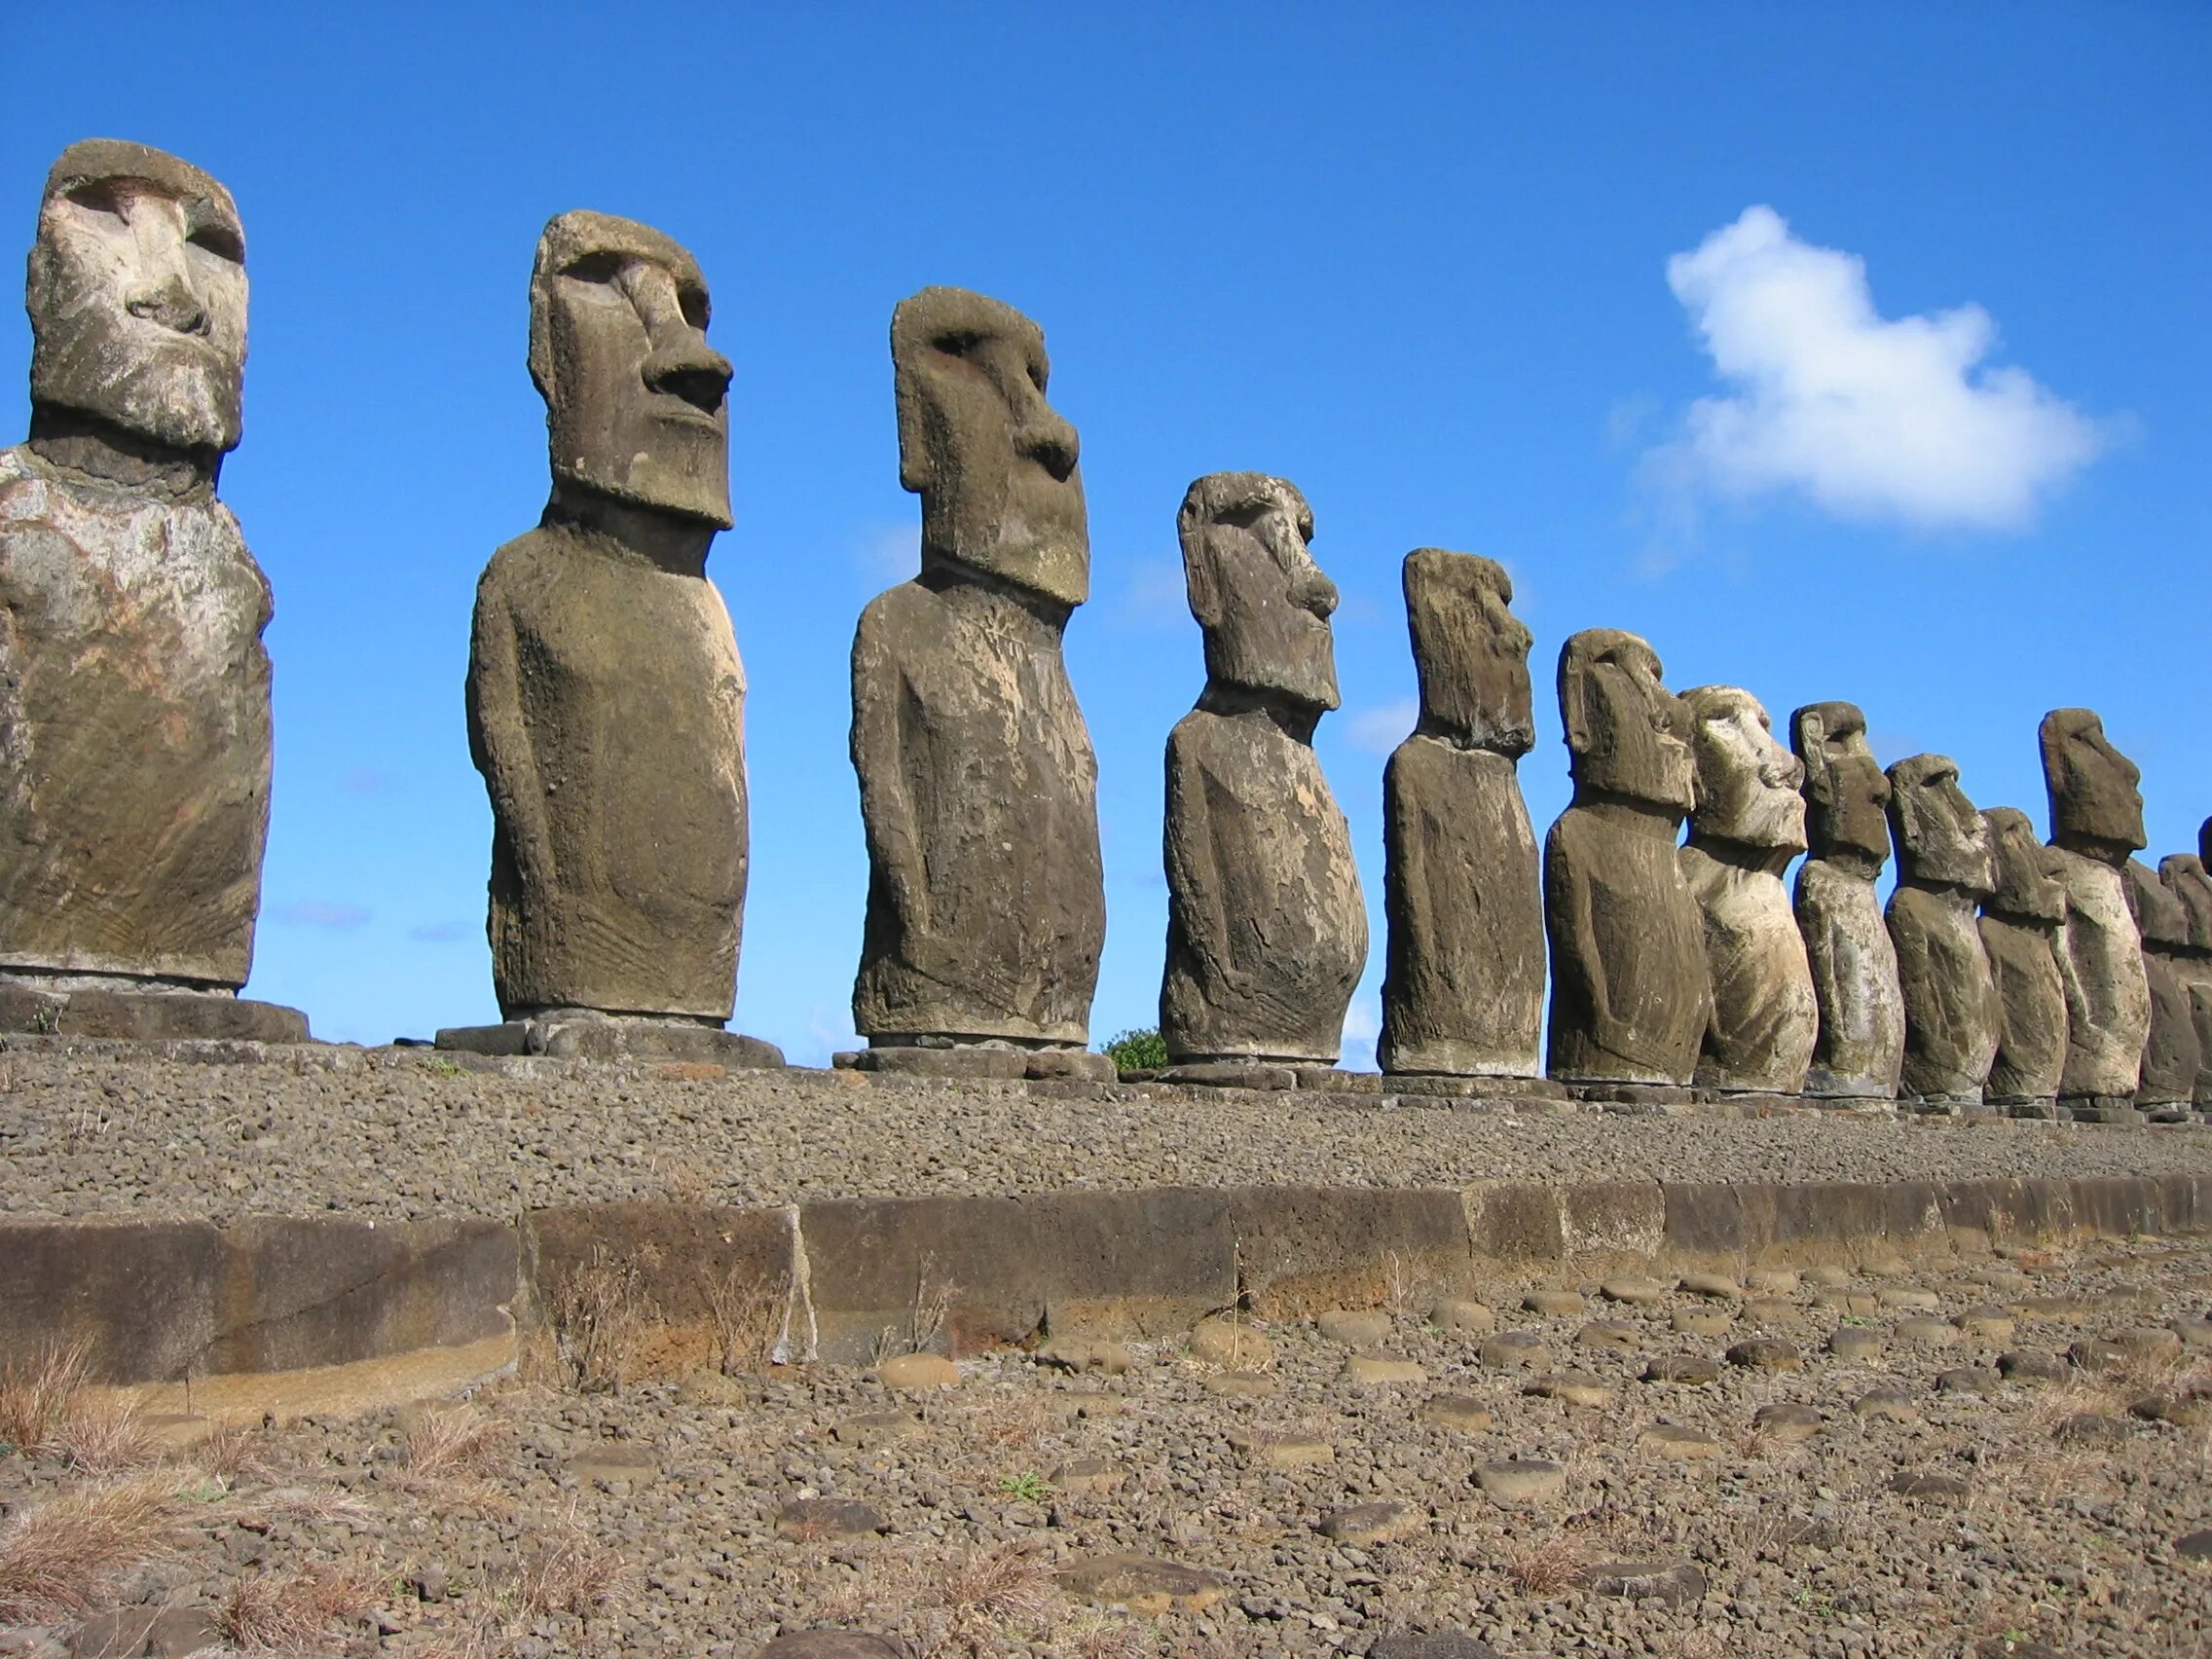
[(220, 239), (1037, 376), (957, 343), (102, 196), (694, 304), (594, 266)]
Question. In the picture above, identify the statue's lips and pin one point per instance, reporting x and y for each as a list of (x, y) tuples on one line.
[(674, 411)]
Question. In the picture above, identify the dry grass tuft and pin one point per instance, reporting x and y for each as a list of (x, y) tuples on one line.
[(49, 1408), (573, 1576), (747, 1306), (458, 1443), (232, 1453), (597, 1324), (1545, 1566), (57, 1560), (293, 1612), (984, 1591)]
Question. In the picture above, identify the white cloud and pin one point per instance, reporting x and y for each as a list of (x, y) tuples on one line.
[(1382, 728), (1363, 1024), (1872, 418), (320, 913)]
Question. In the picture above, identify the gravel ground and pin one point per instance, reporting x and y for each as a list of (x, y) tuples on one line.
[(401, 1134), (1937, 1508)]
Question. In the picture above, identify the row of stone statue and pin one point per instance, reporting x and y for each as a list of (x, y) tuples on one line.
[(604, 702)]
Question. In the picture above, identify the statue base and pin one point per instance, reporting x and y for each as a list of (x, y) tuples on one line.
[(148, 1012), (581, 1034), (1469, 1085), (1007, 1063)]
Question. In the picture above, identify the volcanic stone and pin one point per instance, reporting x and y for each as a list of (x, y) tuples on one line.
[(1521, 1481), (1943, 869), (1689, 1368), (978, 788), (1267, 930), (2096, 815), (1630, 1002), (1860, 1047), (2171, 1054), (1464, 993), (2019, 930), (1142, 1584), (1787, 1422), (133, 682), (1747, 824), (1461, 1412), (2184, 877), (1678, 1443)]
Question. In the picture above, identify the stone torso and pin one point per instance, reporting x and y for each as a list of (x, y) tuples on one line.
[(1629, 994), (1267, 931), (986, 905), (1951, 999), (134, 731), (2031, 999), (1464, 993), (1764, 1017), (2108, 993), (1860, 1047), (607, 712)]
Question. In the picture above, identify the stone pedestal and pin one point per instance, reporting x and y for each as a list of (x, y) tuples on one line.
[(982, 1062), (81, 1008), (585, 1034)]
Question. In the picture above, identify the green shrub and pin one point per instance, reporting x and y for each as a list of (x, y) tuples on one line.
[(1138, 1051)]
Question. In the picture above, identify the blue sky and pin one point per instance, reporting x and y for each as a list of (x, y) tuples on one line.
[(1414, 259)]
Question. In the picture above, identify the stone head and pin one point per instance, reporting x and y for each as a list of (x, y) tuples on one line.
[(1264, 604), (1941, 840), (2204, 842), (2185, 878), (1746, 784), (1470, 651), (2095, 806), (1847, 796), (994, 465), (2020, 864), (2161, 916), (637, 403), (136, 292), (1626, 732)]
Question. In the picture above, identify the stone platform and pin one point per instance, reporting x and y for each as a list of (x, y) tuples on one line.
[(585, 1035), (153, 1015)]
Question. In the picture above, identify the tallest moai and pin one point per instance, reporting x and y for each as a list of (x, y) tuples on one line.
[(134, 728), (986, 902)]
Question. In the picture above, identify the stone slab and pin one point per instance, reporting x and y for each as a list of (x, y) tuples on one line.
[(607, 1040), (148, 1017)]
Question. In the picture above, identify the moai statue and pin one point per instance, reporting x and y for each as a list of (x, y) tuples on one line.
[(1746, 822), (2096, 820), (605, 699), (134, 731), (1859, 1051), (1463, 995), (2172, 1054), (1267, 930), (1950, 996), (2184, 875), (986, 900), (1630, 1000), (2019, 930)]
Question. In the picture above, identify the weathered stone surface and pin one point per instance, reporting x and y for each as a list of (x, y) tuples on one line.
[(986, 904), (1943, 869), (1858, 1052), (605, 698), (1267, 930), (836, 1644), (586, 1034), (1465, 991), (134, 683), (2096, 817), (2171, 1054), (1747, 823), (2019, 930), (1629, 997), (2184, 877), (1142, 1584)]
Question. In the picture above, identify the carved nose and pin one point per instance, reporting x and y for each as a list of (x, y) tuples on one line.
[(689, 369), (1318, 594), (1048, 441), (171, 305)]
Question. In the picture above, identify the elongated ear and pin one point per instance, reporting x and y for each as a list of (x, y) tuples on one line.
[(1200, 577)]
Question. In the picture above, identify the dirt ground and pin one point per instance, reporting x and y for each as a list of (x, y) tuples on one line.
[(2013, 1456)]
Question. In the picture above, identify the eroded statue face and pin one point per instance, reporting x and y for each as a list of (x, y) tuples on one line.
[(2161, 915), (1471, 651), (137, 296), (1255, 590), (1845, 791), (2020, 864), (1625, 730), (2095, 806), (1747, 783), (994, 465), (1941, 839), (2184, 877), (637, 403)]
